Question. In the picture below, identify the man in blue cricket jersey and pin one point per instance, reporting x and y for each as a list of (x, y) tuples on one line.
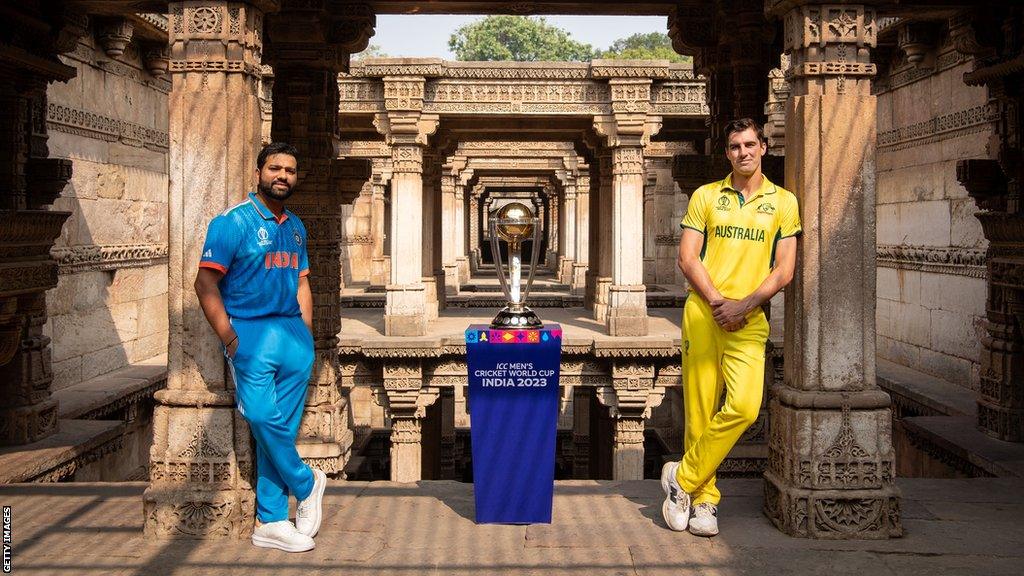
[(253, 285)]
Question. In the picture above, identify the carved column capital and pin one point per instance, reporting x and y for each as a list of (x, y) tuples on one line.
[(216, 37), (830, 45), (627, 160), (406, 127), (627, 129), (633, 392)]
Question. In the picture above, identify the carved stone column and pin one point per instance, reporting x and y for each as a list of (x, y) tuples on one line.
[(627, 295), (406, 130), (449, 224), (650, 227), (433, 273), (407, 401), (308, 46), (626, 132), (379, 264), (831, 470), (30, 181), (201, 462), (581, 259), (995, 184), (567, 238), (630, 400), (601, 241), (474, 232), (581, 431), (461, 259)]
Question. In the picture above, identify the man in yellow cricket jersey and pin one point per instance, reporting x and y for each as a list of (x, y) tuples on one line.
[(737, 250)]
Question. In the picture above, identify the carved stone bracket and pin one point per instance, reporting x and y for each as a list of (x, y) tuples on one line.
[(406, 401), (630, 399), (115, 35)]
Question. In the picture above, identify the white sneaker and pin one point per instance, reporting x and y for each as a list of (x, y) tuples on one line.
[(705, 520), (283, 536), (309, 512), (676, 508)]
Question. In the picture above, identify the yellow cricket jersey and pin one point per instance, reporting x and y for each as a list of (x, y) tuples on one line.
[(740, 236)]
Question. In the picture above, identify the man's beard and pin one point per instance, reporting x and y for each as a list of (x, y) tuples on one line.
[(268, 190)]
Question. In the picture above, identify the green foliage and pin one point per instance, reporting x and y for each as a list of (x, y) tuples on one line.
[(372, 51), (652, 46), (518, 38)]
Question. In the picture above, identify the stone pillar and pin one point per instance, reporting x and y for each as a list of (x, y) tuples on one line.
[(433, 273), (567, 239), (627, 295), (664, 232), (626, 132), (630, 399), (407, 402), (474, 233), (378, 267), (601, 241), (578, 281), (581, 431), (650, 227), (831, 470), (449, 238), (995, 184), (305, 115), (550, 223), (30, 181), (406, 130), (461, 259), (201, 463)]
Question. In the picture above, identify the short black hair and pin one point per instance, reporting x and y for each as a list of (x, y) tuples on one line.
[(275, 148), (741, 124)]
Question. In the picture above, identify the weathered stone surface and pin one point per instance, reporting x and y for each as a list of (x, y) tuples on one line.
[(430, 530)]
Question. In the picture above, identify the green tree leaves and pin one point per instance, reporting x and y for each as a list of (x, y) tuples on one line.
[(651, 46), (531, 39), (519, 38)]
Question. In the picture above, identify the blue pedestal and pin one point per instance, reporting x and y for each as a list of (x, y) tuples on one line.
[(513, 399)]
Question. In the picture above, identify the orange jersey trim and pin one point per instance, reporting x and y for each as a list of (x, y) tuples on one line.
[(213, 266)]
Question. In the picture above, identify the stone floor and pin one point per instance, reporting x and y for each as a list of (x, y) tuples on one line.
[(952, 527), (578, 324)]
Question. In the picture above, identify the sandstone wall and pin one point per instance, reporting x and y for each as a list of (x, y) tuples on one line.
[(931, 282), (357, 238), (110, 304)]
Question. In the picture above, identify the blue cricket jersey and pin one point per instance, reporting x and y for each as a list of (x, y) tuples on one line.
[(262, 258)]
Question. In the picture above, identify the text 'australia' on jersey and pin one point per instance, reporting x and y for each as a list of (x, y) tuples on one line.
[(261, 257), (740, 236)]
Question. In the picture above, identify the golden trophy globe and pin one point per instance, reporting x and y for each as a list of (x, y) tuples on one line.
[(515, 224)]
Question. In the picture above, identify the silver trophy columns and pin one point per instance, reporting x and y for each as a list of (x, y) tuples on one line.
[(515, 224)]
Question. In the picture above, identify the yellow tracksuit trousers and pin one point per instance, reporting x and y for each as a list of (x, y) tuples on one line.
[(714, 359)]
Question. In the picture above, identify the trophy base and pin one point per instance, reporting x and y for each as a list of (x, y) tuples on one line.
[(522, 319)]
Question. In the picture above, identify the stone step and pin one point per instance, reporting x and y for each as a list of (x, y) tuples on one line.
[(918, 394), (957, 441), (76, 444), (99, 397), (104, 429)]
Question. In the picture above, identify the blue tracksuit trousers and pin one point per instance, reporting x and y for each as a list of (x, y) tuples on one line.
[(271, 369)]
